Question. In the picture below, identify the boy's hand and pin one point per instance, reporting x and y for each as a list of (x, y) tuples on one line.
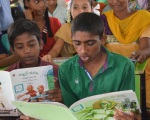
[(47, 58), (123, 116), (23, 117), (54, 95), (139, 56)]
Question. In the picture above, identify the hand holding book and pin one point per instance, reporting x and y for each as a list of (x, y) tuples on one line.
[(119, 115), (53, 95)]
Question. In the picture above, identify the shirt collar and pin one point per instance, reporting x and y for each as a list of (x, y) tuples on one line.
[(108, 63)]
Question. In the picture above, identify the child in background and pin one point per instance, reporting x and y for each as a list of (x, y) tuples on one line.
[(36, 10), (57, 11), (63, 45)]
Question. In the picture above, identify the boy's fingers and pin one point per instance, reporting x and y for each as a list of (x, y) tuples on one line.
[(23, 117), (137, 117), (51, 96), (53, 91)]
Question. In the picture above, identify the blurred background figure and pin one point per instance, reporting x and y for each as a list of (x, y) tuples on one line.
[(143, 4), (16, 9), (62, 3), (6, 18), (57, 11)]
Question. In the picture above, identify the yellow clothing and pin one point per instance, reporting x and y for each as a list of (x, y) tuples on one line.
[(129, 29), (127, 32), (64, 33)]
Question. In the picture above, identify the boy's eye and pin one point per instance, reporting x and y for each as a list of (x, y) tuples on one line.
[(44, 1), (76, 42), (91, 43), (36, 1), (32, 44), (75, 7), (19, 47), (84, 7)]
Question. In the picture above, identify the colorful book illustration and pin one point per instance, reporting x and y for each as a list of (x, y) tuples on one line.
[(26, 84), (98, 107)]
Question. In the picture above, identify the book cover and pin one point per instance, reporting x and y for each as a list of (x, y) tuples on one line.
[(98, 107), (26, 84)]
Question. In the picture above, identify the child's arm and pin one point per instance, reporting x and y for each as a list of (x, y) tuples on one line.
[(8, 61), (2, 56)]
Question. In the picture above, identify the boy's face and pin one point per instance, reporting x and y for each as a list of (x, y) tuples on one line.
[(86, 45), (27, 48)]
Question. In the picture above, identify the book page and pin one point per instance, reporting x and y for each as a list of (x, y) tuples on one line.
[(6, 95), (45, 111), (29, 84), (60, 60), (102, 106)]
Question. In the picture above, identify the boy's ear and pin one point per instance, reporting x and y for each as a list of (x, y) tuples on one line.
[(103, 39), (41, 44)]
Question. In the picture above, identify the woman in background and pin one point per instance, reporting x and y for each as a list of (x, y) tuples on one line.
[(128, 34)]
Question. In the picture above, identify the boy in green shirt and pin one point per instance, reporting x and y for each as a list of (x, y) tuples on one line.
[(94, 70)]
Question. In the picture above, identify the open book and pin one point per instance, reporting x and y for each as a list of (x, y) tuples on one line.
[(60, 60), (98, 107), (26, 84)]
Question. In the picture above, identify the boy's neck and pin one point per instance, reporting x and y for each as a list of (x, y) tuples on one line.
[(36, 64), (94, 66)]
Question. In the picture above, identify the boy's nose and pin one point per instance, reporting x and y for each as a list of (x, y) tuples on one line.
[(27, 50), (83, 49)]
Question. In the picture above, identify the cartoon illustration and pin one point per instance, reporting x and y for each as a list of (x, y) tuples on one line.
[(30, 92), (40, 96), (1, 103), (104, 109), (4, 104)]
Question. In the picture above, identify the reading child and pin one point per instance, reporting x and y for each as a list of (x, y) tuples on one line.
[(94, 70), (25, 41)]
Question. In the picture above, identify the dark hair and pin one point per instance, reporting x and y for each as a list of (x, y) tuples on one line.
[(47, 24), (25, 7), (48, 27), (20, 27), (88, 22), (90, 1)]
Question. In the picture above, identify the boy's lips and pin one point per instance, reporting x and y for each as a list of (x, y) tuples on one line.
[(85, 58), (28, 58)]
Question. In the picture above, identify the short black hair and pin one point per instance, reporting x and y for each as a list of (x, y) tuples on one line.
[(20, 27), (88, 22)]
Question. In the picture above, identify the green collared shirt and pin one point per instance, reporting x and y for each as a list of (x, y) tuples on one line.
[(116, 74)]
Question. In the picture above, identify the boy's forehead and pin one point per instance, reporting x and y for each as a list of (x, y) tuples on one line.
[(85, 34), (25, 37)]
